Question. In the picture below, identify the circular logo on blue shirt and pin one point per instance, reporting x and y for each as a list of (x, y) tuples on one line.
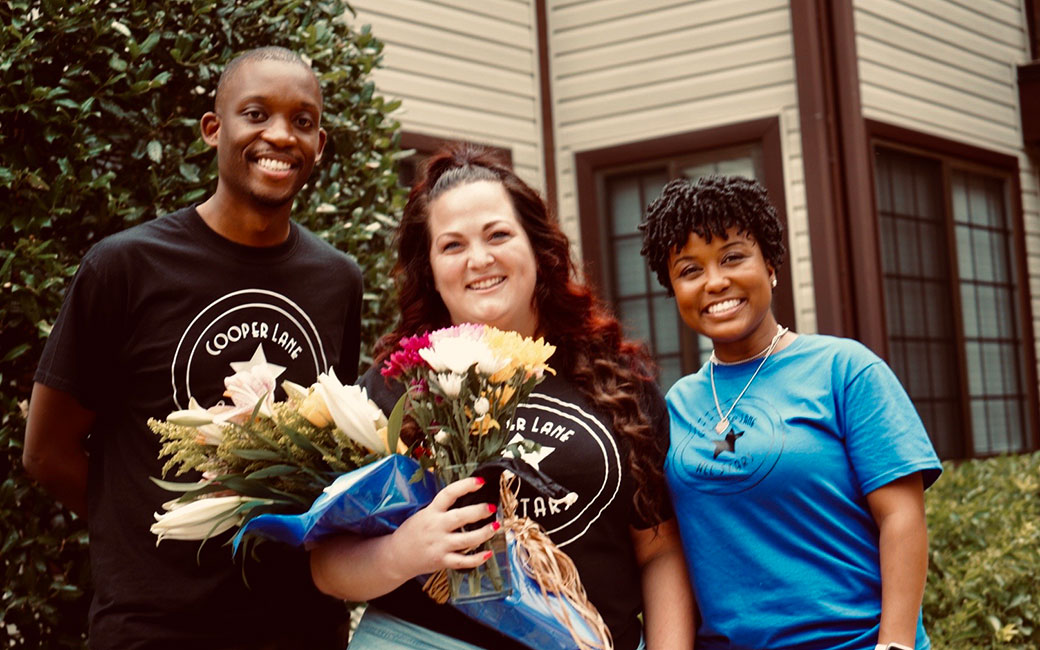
[(736, 460)]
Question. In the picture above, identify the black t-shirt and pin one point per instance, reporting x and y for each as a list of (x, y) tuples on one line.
[(579, 451), (155, 316)]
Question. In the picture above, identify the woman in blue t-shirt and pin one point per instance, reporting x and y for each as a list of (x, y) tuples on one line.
[(797, 463)]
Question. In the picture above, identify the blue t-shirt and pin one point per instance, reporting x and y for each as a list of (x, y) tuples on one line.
[(780, 542)]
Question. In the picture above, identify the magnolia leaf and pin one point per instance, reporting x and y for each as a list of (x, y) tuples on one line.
[(155, 151)]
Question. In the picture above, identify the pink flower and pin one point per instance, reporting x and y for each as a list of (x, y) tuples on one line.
[(407, 357)]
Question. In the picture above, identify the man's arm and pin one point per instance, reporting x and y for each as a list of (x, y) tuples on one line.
[(54, 453)]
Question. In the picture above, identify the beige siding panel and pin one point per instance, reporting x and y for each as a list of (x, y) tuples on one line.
[(970, 83), (942, 122), (463, 71), (448, 67), (643, 27), (687, 91), (615, 55), (403, 84), (998, 109), (760, 102), (450, 19), (769, 48), (972, 20), (400, 32), (514, 11), (941, 29), (1008, 13), (917, 42), (470, 120), (580, 15)]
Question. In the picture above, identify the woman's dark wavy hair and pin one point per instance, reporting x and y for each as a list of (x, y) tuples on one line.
[(614, 374), (709, 208)]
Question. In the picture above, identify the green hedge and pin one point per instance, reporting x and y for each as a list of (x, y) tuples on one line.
[(984, 576), (99, 109)]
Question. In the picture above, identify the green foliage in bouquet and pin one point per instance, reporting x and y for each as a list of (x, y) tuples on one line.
[(99, 105), (983, 586)]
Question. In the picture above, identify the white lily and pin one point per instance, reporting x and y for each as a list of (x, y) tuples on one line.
[(294, 391), (246, 388), (449, 383), (199, 519), (210, 434), (356, 416), (193, 416)]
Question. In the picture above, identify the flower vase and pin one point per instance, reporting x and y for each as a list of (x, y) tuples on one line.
[(491, 580)]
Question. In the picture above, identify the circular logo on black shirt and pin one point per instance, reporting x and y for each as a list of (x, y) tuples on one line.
[(241, 329)]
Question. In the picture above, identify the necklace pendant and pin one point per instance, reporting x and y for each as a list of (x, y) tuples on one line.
[(721, 427)]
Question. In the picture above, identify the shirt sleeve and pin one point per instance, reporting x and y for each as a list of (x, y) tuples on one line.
[(884, 435), (82, 347)]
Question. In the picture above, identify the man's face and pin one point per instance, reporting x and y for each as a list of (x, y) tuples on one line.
[(266, 131)]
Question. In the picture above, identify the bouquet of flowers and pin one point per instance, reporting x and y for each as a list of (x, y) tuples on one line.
[(326, 460), (464, 385), (260, 456)]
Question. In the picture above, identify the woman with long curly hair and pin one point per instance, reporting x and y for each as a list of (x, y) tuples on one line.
[(477, 244)]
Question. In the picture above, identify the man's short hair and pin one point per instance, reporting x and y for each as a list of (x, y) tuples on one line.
[(269, 53)]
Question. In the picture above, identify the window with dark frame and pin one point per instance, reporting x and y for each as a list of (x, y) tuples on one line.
[(645, 309), (952, 300)]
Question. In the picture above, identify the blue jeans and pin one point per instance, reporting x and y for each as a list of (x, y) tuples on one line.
[(381, 631)]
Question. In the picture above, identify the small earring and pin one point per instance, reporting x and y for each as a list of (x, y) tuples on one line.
[(773, 282)]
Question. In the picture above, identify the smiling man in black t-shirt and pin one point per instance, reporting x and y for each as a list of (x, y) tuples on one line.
[(157, 316)]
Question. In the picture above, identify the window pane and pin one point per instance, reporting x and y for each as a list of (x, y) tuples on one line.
[(982, 250), (991, 371), (970, 307), (636, 318), (909, 247), (666, 325), (913, 308), (889, 246), (653, 183), (917, 361), (937, 307), (626, 207), (737, 167), (965, 260), (973, 357), (980, 427), (946, 429), (629, 268), (670, 371), (933, 258)]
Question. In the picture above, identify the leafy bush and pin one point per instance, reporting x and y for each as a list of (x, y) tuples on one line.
[(99, 108), (984, 577)]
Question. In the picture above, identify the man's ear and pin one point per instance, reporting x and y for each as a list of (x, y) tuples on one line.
[(210, 127), (322, 138)]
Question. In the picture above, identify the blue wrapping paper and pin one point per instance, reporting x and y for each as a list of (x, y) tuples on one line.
[(369, 501), (375, 500)]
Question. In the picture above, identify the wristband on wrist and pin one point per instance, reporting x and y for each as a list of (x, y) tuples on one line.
[(892, 646)]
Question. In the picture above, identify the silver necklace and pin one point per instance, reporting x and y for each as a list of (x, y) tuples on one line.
[(723, 422)]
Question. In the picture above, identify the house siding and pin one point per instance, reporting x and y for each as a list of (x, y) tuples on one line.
[(948, 68), (464, 71), (625, 72)]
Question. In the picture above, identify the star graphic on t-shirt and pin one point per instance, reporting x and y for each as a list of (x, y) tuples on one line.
[(728, 443), (259, 359), (532, 458)]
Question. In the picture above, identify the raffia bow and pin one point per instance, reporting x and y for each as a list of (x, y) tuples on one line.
[(548, 566)]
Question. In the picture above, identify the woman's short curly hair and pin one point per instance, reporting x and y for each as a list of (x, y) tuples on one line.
[(709, 208)]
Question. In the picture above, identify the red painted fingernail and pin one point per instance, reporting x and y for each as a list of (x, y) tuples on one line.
[(495, 525), (479, 480), (487, 556), (492, 508)]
